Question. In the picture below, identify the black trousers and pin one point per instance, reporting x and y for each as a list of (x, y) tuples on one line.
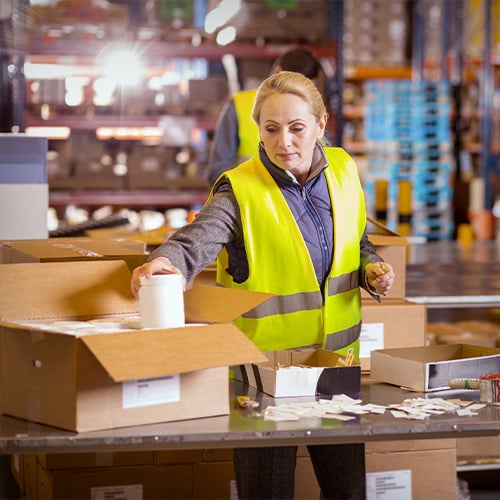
[(269, 473)]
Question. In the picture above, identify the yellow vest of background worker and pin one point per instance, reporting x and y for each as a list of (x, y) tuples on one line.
[(248, 132), (279, 262)]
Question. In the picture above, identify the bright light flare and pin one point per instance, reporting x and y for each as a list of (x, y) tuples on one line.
[(123, 67)]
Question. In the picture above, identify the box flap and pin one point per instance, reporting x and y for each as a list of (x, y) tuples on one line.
[(216, 304), (143, 354), (64, 290), (67, 248), (382, 240)]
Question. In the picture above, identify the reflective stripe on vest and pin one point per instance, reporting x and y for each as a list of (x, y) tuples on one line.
[(248, 132), (281, 264)]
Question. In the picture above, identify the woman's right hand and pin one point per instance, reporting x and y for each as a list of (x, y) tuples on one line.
[(160, 265)]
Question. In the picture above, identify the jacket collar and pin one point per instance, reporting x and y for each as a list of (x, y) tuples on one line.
[(319, 163)]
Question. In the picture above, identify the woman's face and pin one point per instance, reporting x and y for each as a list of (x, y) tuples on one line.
[(289, 131)]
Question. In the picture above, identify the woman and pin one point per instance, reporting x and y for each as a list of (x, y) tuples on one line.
[(290, 221)]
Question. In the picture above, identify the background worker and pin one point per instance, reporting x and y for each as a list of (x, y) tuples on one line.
[(289, 221), (236, 135)]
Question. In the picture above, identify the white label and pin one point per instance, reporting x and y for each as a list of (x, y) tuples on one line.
[(233, 490), (388, 485), (151, 391), (372, 337), (128, 492)]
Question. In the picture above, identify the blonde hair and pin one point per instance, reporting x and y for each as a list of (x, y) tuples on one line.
[(289, 82)]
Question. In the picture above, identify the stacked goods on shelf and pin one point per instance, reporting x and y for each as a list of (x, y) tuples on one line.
[(376, 33), (407, 126)]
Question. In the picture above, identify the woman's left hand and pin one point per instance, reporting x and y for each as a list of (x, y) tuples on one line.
[(380, 277)]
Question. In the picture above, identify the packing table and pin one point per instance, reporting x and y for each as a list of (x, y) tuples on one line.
[(241, 429), (440, 274)]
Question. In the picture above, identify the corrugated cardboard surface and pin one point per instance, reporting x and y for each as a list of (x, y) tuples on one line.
[(75, 381), (431, 367), (433, 472), (397, 323), (72, 249), (151, 482), (473, 448)]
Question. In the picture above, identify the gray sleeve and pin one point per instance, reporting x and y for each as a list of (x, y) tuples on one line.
[(196, 245), (225, 143)]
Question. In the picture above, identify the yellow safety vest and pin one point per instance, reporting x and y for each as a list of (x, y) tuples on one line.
[(279, 261), (248, 132)]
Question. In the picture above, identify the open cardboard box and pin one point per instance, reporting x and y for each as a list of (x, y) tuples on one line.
[(84, 382), (302, 372), (430, 368), (72, 249)]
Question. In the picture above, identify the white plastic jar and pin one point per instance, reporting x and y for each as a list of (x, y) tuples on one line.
[(161, 301)]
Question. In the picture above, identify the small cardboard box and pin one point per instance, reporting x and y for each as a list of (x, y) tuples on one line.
[(302, 372), (430, 368), (393, 250), (381, 328), (72, 249), (103, 380)]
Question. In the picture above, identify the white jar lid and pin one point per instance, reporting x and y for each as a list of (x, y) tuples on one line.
[(161, 279)]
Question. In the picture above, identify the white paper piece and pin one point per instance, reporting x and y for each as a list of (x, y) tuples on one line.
[(297, 381), (371, 337), (388, 485), (151, 391), (125, 492)]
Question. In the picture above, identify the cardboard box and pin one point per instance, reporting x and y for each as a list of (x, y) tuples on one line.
[(87, 382), (56, 461), (72, 249), (147, 482), (430, 368), (213, 480), (477, 449), (381, 328), (393, 250), (302, 372), (415, 470)]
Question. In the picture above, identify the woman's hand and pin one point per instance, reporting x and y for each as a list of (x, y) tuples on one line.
[(380, 277), (160, 265)]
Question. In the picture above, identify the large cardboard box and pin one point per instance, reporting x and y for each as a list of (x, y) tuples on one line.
[(390, 323), (415, 470), (393, 249), (430, 368), (84, 382), (302, 372), (72, 249), (147, 482)]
